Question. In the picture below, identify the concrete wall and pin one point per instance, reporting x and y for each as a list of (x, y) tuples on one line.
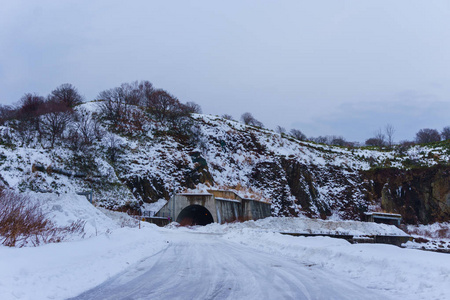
[(254, 210), (228, 211), (225, 194)]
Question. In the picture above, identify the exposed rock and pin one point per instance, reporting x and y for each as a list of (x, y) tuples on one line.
[(147, 189), (419, 194)]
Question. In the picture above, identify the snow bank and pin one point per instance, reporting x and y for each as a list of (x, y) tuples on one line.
[(59, 271), (435, 237), (306, 225), (111, 242), (64, 209)]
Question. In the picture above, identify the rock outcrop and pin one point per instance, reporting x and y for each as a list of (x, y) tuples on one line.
[(420, 195)]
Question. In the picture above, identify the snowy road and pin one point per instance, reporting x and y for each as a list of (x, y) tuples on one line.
[(206, 266)]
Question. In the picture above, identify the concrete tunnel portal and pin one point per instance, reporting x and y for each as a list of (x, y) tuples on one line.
[(216, 206), (195, 215)]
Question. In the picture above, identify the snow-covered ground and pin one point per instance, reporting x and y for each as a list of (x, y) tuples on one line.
[(67, 269), (434, 237), (306, 225)]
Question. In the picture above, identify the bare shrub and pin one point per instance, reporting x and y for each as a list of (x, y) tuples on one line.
[(228, 117), (297, 134), (379, 139), (22, 222), (374, 142), (320, 139), (193, 107), (248, 119), (441, 231)]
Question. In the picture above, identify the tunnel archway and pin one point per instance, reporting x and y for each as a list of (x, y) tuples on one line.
[(195, 215)]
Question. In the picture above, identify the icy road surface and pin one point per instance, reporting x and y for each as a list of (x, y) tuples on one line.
[(206, 266)]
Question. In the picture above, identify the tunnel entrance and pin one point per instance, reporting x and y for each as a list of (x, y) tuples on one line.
[(194, 215)]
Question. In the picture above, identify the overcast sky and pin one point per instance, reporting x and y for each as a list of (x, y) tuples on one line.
[(325, 67)]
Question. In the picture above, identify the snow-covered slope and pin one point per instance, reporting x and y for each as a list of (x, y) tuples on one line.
[(126, 167)]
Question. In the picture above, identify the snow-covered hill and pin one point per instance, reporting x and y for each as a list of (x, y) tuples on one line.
[(142, 162)]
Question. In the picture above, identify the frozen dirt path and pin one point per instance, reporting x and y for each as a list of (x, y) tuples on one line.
[(206, 266)]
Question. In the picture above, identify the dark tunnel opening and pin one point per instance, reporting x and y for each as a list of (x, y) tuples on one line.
[(195, 215)]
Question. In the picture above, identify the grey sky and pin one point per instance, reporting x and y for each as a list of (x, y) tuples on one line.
[(324, 67)]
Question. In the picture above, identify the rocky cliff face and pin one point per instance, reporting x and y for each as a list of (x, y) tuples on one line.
[(419, 194)]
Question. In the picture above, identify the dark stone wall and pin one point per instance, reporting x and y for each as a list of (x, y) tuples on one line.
[(420, 195)]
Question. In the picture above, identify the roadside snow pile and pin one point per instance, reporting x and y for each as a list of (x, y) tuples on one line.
[(108, 245), (432, 231), (59, 271), (64, 209), (434, 237), (306, 225)]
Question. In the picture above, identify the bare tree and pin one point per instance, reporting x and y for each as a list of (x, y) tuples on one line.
[(379, 135), (165, 107), (297, 134), (54, 124), (338, 141), (280, 129), (333, 140), (131, 93), (114, 107), (6, 113), (31, 106), (66, 93), (146, 89), (248, 119), (320, 139), (83, 131), (117, 101), (54, 120), (390, 130), (193, 108), (445, 134), (113, 148), (374, 142), (427, 135), (87, 126)]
